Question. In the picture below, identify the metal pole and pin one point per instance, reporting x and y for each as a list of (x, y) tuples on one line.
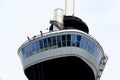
[(69, 7)]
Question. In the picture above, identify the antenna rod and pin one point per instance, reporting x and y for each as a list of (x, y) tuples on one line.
[(69, 7)]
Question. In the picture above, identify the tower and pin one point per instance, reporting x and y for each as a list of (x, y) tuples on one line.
[(66, 52)]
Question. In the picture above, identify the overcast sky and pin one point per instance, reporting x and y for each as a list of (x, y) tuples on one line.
[(22, 18)]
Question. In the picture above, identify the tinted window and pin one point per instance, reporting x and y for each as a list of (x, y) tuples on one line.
[(45, 43), (49, 42), (91, 45), (63, 40), (95, 49), (78, 41), (41, 44), (37, 46), (54, 40), (24, 54), (74, 39), (88, 45), (33, 47), (83, 42), (78, 38), (59, 41), (68, 37), (99, 56), (68, 40), (28, 50)]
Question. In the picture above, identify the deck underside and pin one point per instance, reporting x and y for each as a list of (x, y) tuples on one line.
[(65, 68)]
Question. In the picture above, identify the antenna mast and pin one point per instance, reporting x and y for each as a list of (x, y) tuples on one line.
[(69, 7)]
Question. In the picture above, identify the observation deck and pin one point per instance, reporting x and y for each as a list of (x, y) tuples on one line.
[(66, 54)]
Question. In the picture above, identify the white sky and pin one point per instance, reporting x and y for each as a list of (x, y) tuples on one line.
[(22, 18)]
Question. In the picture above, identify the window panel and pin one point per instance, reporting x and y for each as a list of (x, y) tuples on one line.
[(83, 43), (95, 50), (45, 44), (54, 40), (91, 47), (41, 44), (28, 50), (68, 37), (59, 41), (58, 38), (74, 39), (78, 40), (37, 46), (49, 41), (63, 41), (88, 45), (23, 50), (78, 44), (63, 38), (68, 40), (33, 47), (64, 44), (23, 53), (24, 56)]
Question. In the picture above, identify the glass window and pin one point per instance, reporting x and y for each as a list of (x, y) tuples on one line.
[(74, 39), (63, 41), (78, 38), (28, 50), (24, 56), (63, 38), (68, 40), (49, 41), (23, 53), (95, 50), (99, 56), (59, 41), (35, 47), (83, 43), (54, 40), (45, 44), (78, 41), (68, 37), (88, 45), (41, 43), (23, 50), (91, 45)]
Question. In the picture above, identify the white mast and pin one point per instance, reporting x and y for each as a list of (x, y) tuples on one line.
[(69, 7)]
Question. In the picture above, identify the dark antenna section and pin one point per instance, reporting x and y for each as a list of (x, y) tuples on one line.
[(72, 22), (69, 20)]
